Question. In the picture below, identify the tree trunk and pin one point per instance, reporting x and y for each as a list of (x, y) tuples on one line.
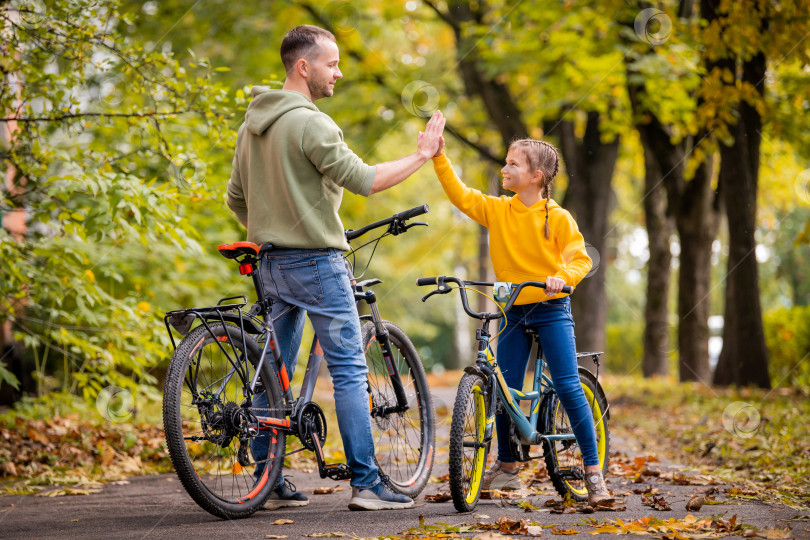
[(697, 220), (695, 207), (463, 351), (589, 163), (656, 143), (655, 360), (744, 358)]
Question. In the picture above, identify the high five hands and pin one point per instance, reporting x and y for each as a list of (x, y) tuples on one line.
[(430, 143)]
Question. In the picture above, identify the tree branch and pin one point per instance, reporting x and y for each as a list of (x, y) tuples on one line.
[(69, 116)]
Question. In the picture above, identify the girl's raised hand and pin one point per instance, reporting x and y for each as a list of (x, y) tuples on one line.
[(430, 143), (441, 147)]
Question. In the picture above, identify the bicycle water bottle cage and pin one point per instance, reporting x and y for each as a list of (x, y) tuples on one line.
[(501, 292)]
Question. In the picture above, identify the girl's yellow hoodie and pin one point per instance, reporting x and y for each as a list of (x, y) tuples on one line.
[(518, 246)]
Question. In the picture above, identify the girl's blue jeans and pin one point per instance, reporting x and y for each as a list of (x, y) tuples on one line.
[(555, 327), (316, 281)]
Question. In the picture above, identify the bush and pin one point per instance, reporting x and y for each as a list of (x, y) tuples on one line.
[(787, 335), (625, 345)]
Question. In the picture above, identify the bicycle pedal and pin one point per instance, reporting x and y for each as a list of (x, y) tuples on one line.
[(572, 473), (337, 471)]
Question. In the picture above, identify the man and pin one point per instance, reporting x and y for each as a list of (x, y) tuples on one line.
[(289, 172)]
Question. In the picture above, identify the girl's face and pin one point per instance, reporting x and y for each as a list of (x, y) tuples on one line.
[(517, 173)]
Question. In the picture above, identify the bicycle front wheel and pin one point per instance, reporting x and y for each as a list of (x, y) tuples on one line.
[(403, 439), (209, 422), (468, 448), (564, 457)]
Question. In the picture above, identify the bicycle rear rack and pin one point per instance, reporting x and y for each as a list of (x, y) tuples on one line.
[(182, 319)]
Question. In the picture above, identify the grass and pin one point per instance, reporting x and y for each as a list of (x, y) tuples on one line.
[(747, 435)]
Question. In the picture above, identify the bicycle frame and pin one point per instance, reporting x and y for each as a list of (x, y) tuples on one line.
[(542, 385)]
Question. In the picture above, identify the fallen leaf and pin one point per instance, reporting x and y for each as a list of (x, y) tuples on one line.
[(275, 536), (107, 457), (441, 496), (560, 530), (282, 522), (774, 533), (657, 503), (8, 468), (695, 503), (326, 535), (327, 490), (489, 535), (534, 530)]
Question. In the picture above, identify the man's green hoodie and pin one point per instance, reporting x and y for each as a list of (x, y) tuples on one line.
[(289, 171)]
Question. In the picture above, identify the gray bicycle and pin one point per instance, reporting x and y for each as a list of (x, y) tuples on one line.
[(230, 357)]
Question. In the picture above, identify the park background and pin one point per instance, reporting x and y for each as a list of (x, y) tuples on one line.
[(682, 128)]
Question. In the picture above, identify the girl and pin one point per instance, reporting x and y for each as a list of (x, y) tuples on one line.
[(532, 238)]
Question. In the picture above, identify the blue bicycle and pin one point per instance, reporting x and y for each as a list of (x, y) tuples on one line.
[(483, 391)]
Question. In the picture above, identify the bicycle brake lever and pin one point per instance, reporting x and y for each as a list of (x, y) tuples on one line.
[(409, 225), (443, 289), (428, 295)]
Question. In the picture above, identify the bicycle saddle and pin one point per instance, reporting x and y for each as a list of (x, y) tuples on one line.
[(237, 249)]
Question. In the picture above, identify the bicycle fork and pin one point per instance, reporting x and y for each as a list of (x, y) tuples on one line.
[(388, 357)]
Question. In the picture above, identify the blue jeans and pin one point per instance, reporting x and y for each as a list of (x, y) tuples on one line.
[(555, 327), (317, 281)]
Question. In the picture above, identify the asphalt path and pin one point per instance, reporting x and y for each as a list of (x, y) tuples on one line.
[(158, 507)]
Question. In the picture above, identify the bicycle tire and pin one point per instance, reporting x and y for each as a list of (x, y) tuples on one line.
[(470, 419), (403, 441), (213, 472), (566, 454)]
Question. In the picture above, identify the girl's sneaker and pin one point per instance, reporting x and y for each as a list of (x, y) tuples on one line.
[(497, 478), (597, 489)]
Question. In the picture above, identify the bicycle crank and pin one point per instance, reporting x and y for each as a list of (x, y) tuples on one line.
[(311, 425)]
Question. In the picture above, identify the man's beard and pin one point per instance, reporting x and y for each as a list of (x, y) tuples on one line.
[(319, 88)]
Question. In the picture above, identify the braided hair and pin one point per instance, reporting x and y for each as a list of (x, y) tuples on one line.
[(543, 157)]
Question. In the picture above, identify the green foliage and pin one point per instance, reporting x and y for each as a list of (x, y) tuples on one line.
[(126, 132), (624, 347), (110, 142), (787, 334)]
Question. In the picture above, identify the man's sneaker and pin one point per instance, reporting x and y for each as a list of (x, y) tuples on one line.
[(379, 497), (285, 496), (497, 478), (597, 489)]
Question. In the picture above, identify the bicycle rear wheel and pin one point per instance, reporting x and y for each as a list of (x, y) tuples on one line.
[(468, 450), (564, 458), (403, 441), (207, 419)]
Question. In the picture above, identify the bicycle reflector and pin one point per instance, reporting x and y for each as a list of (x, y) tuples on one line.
[(245, 269)]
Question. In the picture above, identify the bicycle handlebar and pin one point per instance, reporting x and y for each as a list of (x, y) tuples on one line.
[(413, 212), (395, 220), (444, 289)]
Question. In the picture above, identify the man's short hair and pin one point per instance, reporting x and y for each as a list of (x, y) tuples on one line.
[(301, 42)]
